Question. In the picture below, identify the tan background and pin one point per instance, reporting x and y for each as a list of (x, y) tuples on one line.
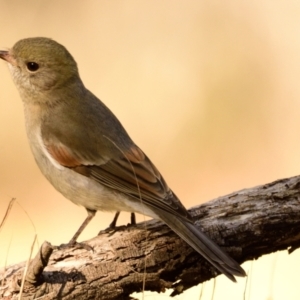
[(209, 89)]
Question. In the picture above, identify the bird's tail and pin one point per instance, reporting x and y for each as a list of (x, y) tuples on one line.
[(204, 245)]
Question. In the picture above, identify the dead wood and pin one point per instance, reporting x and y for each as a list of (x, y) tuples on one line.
[(247, 223)]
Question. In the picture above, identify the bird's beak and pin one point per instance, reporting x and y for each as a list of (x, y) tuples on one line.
[(5, 55)]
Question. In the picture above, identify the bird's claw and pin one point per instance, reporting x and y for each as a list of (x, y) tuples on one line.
[(74, 244)]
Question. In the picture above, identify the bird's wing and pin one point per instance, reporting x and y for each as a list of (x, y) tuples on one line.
[(131, 173)]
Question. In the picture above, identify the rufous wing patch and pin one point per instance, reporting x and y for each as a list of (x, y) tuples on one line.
[(135, 155), (136, 160), (63, 155)]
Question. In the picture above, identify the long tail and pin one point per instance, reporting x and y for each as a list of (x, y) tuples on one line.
[(204, 245)]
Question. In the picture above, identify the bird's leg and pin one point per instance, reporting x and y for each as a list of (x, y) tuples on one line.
[(132, 219), (73, 241), (112, 225), (91, 214)]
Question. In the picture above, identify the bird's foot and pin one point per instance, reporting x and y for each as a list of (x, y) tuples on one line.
[(75, 245), (113, 228)]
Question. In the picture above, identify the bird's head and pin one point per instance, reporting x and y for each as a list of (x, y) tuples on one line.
[(40, 64)]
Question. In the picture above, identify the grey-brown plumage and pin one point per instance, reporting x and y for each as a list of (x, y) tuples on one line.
[(85, 152)]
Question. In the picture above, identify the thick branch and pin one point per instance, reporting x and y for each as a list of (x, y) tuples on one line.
[(248, 224)]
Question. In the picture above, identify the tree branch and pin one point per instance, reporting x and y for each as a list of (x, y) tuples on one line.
[(247, 223)]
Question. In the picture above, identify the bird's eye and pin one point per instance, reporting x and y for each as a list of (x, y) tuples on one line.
[(32, 66)]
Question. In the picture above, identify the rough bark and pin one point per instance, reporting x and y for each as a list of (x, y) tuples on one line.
[(247, 223)]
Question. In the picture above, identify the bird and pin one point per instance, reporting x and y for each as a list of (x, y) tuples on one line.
[(86, 154)]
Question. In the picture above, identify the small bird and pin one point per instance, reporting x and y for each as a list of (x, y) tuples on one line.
[(86, 154)]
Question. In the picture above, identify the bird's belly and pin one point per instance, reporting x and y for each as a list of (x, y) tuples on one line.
[(78, 188), (85, 191)]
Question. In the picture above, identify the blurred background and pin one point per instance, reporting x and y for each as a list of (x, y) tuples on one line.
[(208, 89)]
